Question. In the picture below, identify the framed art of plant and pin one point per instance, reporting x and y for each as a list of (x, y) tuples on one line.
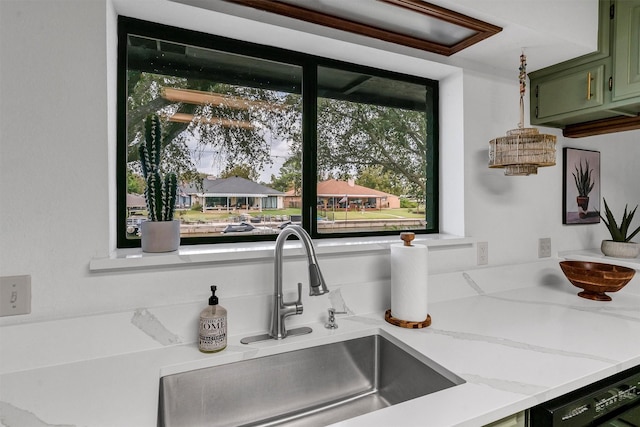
[(580, 186)]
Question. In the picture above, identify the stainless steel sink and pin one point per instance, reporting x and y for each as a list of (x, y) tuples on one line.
[(314, 386)]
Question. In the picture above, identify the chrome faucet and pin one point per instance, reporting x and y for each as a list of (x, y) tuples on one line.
[(280, 309)]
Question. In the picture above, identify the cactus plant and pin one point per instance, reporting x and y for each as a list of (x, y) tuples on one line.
[(159, 193), (582, 178), (619, 233)]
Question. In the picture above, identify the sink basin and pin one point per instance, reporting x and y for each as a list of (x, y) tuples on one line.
[(314, 386)]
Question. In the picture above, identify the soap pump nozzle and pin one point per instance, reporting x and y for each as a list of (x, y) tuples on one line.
[(213, 299)]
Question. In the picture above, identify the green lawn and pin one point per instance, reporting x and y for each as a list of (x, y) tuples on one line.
[(212, 216), (400, 213)]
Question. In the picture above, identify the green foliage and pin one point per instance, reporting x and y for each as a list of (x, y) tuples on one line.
[(582, 178), (159, 193), (353, 137), (241, 170), (290, 174), (619, 233), (135, 183), (407, 204), (377, 178)]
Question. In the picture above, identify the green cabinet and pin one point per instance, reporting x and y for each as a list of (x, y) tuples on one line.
[(626, 51), (576, 89), (597, 86)]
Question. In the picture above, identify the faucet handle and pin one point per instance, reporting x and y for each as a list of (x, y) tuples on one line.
[(331, 324), (299, 301)]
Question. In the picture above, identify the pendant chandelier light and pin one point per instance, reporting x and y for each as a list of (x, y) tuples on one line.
[(523, 150)]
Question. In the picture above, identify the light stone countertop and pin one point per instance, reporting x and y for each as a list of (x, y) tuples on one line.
[(516, 342)]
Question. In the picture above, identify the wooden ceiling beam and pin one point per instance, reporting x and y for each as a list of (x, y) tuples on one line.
[(188, 118), (189, 96)]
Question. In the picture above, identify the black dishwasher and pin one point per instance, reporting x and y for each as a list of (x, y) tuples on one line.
[(612, 402)]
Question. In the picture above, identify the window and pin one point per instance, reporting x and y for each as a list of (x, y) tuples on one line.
[(371, 153), (262, 137)]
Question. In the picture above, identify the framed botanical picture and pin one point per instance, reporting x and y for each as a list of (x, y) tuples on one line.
[(580, 186)]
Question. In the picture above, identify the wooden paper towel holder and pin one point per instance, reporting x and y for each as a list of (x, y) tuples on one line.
[(407, 237), (406, 323)]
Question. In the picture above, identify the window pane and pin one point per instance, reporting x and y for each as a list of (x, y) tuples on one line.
[(231, 131), (372, 153)]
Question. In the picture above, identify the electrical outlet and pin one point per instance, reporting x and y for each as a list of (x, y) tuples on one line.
[(483, 253), (544, 247), (15, 295)]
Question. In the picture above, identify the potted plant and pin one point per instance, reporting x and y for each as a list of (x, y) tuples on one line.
[(620, 245), (160, 233), (584, 185)]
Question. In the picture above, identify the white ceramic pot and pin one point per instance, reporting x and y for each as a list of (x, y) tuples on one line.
[(620, 249), (160, 236)]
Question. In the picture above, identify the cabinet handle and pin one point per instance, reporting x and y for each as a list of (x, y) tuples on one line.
[(589, 78)]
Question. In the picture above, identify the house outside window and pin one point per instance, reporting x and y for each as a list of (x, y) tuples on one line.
[(268, 137)]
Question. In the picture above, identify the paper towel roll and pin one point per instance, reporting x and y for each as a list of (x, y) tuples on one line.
[(409, 277)]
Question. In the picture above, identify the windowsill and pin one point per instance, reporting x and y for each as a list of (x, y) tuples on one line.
[(129, 259)]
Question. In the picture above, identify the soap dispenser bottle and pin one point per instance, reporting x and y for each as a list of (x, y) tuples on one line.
[(213, 326)]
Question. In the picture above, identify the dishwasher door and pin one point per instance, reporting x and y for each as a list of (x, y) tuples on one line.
[(628, 418), (612, 402)]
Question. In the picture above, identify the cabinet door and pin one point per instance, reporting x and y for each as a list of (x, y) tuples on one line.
[(516, 420), (626, 50), (570, 91)]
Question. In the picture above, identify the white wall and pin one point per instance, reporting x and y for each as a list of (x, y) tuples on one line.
[(513, 212), (57, 126)]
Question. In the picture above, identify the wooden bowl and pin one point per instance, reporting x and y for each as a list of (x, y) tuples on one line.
[(596, 278)]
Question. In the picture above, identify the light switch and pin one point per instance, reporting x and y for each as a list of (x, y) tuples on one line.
[(15, 295)]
